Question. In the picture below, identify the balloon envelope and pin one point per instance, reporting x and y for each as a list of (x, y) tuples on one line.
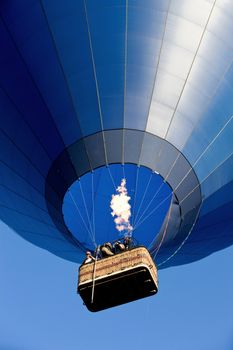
[(95, 91)]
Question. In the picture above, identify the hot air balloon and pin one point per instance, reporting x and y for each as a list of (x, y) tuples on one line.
[(92, 92)]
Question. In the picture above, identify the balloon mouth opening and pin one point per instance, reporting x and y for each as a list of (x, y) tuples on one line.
[(87, 207)]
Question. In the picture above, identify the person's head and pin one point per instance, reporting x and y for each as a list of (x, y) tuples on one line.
[(88, 253), (108, 245)]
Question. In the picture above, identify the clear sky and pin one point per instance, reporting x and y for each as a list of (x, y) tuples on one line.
[(40, 310)]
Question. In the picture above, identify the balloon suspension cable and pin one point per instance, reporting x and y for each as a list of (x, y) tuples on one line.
[(184, 241), (156, 250), (123, 170), (111, 177), (96, 80), (144, 195), (151, 97), (157, 192), (135, 196), (203, 153), (93, 205), (93, 275), (207, 176), (195, 163), (204, 29), (141, 219), (87, 214), (83, 220), (154, 210)]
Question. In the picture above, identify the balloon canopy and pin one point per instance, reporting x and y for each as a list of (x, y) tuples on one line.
[(93, 92)]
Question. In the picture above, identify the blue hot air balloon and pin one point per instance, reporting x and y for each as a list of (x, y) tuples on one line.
[(92, 92)]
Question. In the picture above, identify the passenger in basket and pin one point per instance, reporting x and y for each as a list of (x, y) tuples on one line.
[(128, 242), (106, 249), (89, 258), (119, 247)]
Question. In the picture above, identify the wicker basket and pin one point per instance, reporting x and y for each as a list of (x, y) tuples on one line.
[(130, 270)]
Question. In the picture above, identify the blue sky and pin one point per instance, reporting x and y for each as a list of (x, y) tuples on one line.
[(40, 308)]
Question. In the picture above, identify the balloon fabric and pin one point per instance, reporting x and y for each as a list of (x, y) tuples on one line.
[(93, 92)]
